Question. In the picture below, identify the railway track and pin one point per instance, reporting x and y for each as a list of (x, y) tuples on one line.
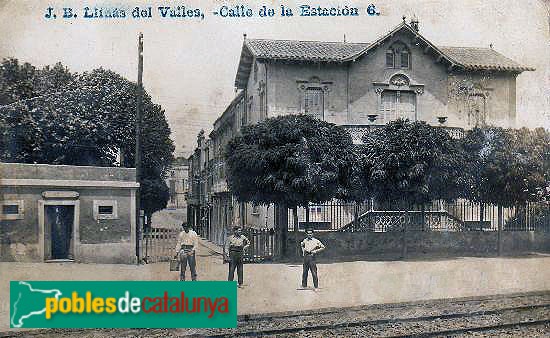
[(520, 315), (453, 318)]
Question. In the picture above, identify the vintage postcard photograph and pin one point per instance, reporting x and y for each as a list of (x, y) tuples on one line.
[(280, 168)]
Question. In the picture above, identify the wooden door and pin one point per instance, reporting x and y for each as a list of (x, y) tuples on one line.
[(59, 220)]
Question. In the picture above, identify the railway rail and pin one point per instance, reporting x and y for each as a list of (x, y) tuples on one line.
[(426, 319), (519, 315)]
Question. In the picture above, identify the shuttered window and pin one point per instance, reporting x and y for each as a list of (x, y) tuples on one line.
[(313, 102), (398, 104)]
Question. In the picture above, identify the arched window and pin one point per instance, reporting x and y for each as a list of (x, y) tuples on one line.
[(398, 56)]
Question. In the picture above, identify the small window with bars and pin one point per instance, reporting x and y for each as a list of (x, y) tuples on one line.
[(105, 209), (12, 210)]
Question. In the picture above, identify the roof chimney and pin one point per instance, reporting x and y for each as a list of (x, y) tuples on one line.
[(414, 23)]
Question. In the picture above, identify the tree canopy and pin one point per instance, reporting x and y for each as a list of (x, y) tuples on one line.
[(291, 159), (412, 162), (52, 116), (506, 166)]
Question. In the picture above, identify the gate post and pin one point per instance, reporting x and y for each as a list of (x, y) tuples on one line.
[(404, 237), (499, 234)]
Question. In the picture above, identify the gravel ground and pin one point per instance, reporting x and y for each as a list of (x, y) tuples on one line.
[(525, 331), (374, 320)]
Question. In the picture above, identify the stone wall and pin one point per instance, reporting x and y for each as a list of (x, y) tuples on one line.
[(378, 244), (105, 230), (65, 172)]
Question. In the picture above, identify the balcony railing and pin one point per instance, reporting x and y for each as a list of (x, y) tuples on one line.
[(357, 131)]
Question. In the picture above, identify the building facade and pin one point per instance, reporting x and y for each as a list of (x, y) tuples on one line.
[(61, 212), (177, 183), (357, 85)]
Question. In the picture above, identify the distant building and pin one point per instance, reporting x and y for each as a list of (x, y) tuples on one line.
[(50, 212), (177, 183), (356, 85)]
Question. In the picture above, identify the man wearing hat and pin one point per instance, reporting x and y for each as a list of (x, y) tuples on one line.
[(310, 247), (188, 241), (235, 247)]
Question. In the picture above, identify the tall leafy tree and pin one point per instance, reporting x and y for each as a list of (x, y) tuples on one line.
[(84, 120), (21, 81), (413, 162), (506, 167), (16, 81), (292, 159)]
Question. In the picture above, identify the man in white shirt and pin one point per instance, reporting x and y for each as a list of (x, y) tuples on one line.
[(188, 241), (235, 247), (310, 247)]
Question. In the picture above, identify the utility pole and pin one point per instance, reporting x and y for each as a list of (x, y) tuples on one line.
[(139, 94)]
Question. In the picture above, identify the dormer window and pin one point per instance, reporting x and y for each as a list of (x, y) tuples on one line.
[(398, 56)]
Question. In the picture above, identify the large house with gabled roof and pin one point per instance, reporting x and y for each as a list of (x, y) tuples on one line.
[(400, 75)]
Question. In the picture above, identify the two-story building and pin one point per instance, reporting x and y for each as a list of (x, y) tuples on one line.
[(399, 75)]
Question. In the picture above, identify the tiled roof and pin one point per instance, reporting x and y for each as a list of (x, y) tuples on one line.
[(303, 50), (473, 58), (467, 58)]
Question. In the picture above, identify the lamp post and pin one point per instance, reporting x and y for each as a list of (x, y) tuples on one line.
[(138, 141)]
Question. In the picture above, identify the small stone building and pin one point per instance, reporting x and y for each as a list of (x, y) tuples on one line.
[(61, 212)]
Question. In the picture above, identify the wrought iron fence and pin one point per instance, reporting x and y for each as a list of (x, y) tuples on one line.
[(357, 132), (460, 215), (158, 244), (262, 245)]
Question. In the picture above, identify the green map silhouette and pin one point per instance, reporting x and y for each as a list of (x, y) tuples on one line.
[(28, 302)]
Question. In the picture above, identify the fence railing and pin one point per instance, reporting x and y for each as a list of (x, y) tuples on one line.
[(262, 245), (357, 132), (158, 244), (460, 215)]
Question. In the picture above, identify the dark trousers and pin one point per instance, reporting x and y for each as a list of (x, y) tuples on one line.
[(310, 264), (184, 260), (236, 261)]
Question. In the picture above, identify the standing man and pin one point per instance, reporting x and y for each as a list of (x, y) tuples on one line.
[(188, 241), (310, 247), (235, 247)]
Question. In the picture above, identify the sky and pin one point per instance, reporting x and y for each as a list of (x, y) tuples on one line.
[(190, 64)]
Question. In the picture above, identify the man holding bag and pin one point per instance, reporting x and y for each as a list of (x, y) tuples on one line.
[(188, 241)]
